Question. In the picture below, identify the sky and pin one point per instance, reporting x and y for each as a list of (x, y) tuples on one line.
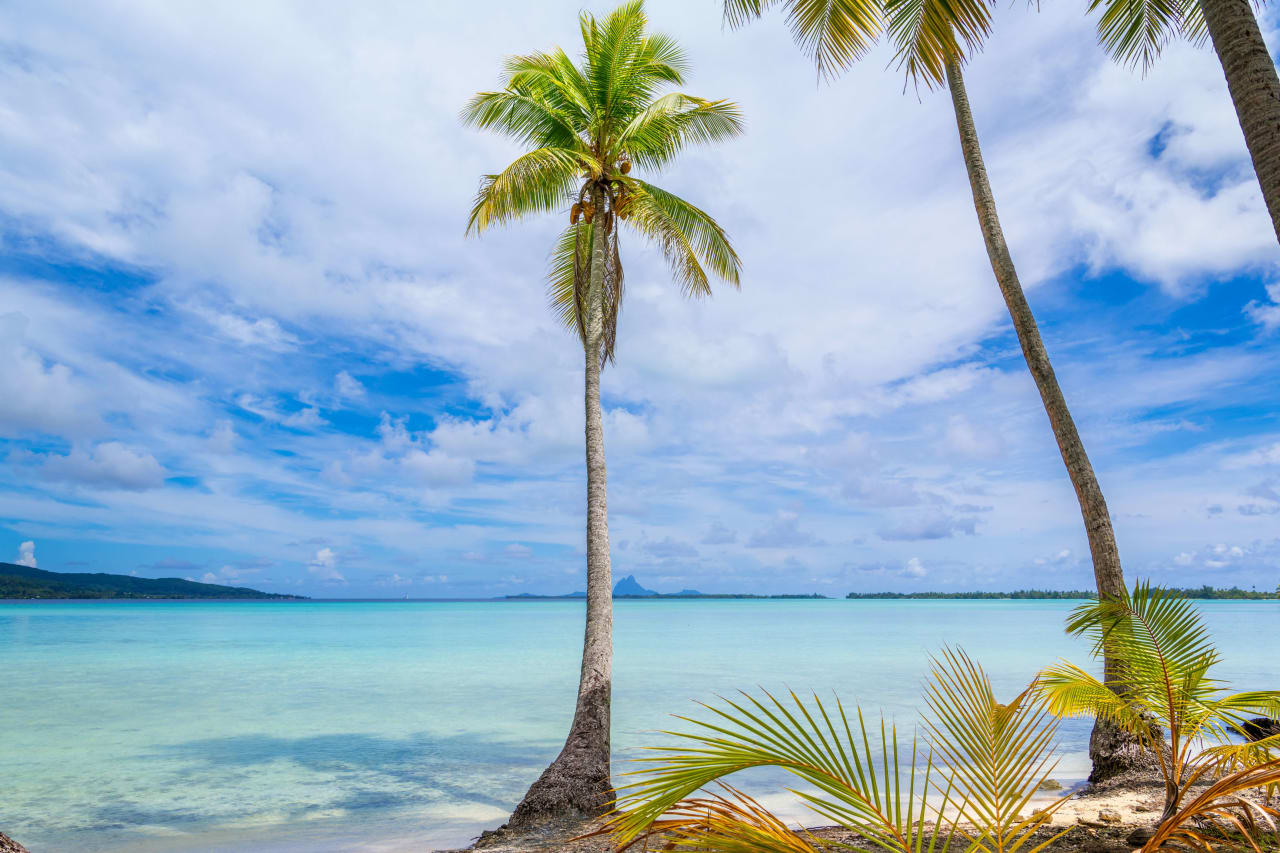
[(243, 338)]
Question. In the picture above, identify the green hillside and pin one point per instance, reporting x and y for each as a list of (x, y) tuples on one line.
[(23, 582)]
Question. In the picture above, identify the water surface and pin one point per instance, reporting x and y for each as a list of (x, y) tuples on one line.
[(337, 726)]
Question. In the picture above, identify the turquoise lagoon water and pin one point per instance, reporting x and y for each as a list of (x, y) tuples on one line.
[(395, 726)]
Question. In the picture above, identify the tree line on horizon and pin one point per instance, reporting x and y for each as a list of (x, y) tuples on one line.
[(587, 125)]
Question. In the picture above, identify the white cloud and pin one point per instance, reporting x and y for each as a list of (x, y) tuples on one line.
[(27, 554), (858, 378), (348, 386), (1267, 314), (323, 566), (914, 568), (109, 465)]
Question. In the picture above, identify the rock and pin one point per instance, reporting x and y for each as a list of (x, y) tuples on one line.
[(1141, 835), (1261, 727), (1050, 785), (1109, 816), (8, 845)]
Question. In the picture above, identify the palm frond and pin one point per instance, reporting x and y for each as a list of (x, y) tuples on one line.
[(857, 783), (537, 182), (1190, 828), (996, 755), (732, 822), (673, 122), (688, 237), (523, 116), (927, 34), (1135, 32)]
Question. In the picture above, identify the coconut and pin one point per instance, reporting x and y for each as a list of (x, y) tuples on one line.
[(625, 168)]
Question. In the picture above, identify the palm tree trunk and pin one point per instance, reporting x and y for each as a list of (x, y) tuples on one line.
[(1111, 750), (576, 785), (1255, 90)]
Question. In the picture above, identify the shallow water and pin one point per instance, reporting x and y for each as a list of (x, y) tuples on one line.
[(388, 726)]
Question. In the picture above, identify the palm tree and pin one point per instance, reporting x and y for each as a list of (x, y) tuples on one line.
[(1165, 660), (933, 39), (1135, 32), (585, 124)]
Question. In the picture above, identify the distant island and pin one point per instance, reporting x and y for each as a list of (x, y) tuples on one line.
[(629, 587), (1203, 592), (27, 583)]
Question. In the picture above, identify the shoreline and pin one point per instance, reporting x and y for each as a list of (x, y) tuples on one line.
[(1098, 819)]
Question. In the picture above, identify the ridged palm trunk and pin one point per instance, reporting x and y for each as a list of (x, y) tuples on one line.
[(577, 785), (1111, 750), (1255, 90)]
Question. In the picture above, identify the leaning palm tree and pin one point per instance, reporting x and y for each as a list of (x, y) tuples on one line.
[(933, 39), (585, 124), (1136, 31)]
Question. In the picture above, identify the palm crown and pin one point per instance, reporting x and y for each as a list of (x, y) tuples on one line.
[(586, 124), (925, 33)]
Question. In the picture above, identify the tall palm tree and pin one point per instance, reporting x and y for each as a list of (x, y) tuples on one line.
[(1136, 31), (585, 124), (933, 39)]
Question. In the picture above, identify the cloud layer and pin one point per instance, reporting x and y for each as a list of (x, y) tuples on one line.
[(242, 331)]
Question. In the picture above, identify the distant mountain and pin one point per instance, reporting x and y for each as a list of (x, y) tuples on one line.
[(630, 586), (24, 582)]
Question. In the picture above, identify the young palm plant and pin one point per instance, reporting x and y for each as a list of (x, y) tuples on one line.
[(585, 125), (1162, 685), (1135, 32), (933, 39), (970, 782)]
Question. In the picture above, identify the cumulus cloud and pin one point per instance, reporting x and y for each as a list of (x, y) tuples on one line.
[(110, 465), (914, 568), (27, 554), (323, 566)]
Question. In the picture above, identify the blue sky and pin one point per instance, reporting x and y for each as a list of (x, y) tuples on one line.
[(243, 339)]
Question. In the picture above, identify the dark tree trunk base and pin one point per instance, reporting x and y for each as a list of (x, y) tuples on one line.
[(576, 787), (1118, 755)]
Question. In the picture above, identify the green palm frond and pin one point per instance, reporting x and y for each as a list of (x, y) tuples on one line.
[(538, 182), (1135, 32), (896, 796), (675, 121), (689, 238), (858, 784), (928, 34), (997, 755), (587, 124), (833, 33), (1161, 685)]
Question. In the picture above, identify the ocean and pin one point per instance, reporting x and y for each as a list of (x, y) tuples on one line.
[(159, 727)]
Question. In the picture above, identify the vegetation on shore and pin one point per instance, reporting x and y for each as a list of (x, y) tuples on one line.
[(24, 582), (1204, 592)]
